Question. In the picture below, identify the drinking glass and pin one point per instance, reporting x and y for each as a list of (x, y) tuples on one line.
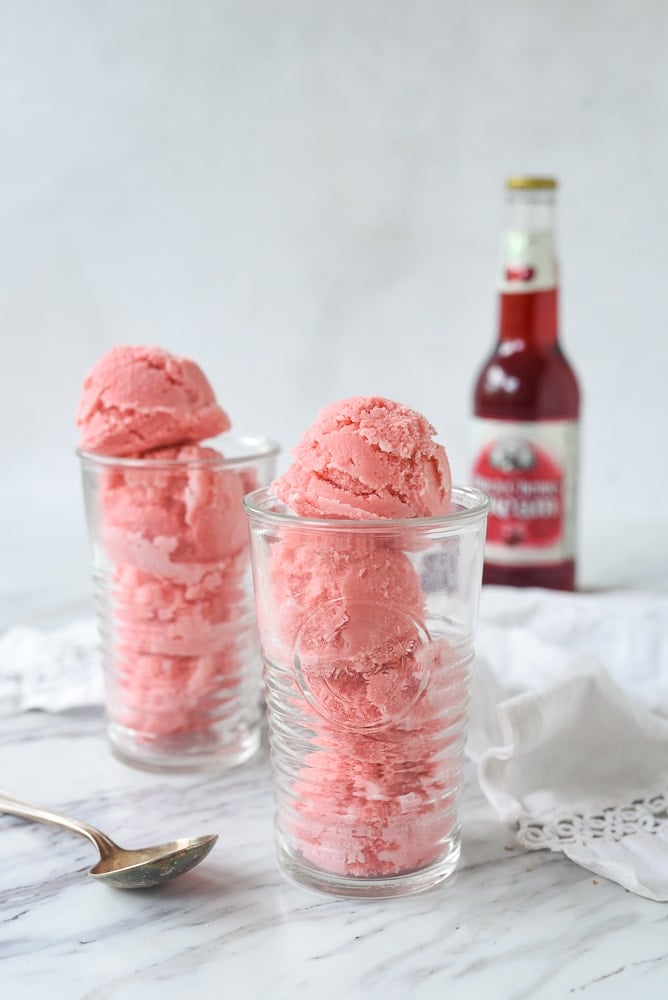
[(173, 591), (367, 634)]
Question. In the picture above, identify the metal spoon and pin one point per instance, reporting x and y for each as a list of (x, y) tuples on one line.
[(136, 869)]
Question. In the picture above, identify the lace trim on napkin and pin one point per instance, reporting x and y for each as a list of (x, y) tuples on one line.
[(611, 823)]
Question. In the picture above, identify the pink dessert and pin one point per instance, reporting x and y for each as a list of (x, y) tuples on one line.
[(166, 516), (367, 457), (382, 802), (139, 398), (382, 703), (175, 538)]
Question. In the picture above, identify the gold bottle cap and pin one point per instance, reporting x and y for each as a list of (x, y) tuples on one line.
[(521, 183)]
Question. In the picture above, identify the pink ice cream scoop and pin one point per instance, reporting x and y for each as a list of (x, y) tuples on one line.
[(174, 509), (348, 610), (139, 398), (367, 457)]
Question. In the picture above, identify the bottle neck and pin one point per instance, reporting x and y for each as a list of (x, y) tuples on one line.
[(528, 271), (530, 319)]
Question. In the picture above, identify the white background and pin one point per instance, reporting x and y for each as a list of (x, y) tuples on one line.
[(306, 197)]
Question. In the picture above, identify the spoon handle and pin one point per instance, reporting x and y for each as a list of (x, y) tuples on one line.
[(17, 807)]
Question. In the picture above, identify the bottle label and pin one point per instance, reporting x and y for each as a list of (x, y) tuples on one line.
[(528, 261), (529, 471)]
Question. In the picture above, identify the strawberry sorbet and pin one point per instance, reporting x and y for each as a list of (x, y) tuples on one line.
[(367, 678), (181, 658)]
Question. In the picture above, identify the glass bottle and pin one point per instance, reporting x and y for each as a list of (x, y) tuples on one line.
[(527, 406)]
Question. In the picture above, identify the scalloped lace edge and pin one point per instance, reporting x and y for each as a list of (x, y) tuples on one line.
[(647, 814)]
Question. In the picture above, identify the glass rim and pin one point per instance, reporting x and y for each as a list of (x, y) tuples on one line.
[(478, 508), (264, 447)]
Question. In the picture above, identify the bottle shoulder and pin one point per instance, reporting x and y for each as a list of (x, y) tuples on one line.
[(527, 384)]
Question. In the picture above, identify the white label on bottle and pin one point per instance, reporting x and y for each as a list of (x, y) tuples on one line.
[(529, 470), (528, 261)]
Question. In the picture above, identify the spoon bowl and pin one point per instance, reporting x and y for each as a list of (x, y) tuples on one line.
[(146, 866), (122, 868)]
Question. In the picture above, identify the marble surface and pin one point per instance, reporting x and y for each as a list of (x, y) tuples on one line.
[(509, 924)]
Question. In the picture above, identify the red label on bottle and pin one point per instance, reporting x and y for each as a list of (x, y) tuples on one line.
[(528, 471), (518, 273)]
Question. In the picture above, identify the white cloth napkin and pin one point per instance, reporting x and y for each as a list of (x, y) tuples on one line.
[(52, 670), (577, 761)]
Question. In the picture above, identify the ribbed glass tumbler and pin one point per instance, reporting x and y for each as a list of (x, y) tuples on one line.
[(367, 634), (173, 590)]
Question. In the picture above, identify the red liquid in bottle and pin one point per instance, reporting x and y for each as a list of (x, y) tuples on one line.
[(526, 406)]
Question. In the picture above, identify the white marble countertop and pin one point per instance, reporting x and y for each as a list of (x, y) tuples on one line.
[(509, 924)]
